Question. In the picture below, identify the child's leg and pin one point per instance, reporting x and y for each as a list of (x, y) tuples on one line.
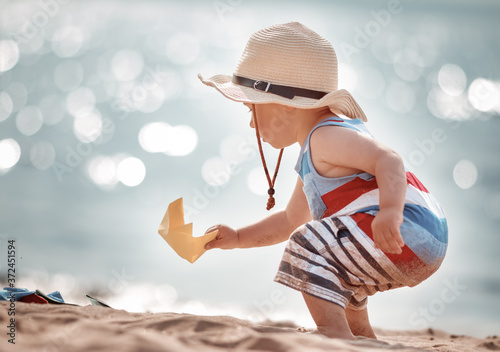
[(359, 323), (329, 317)]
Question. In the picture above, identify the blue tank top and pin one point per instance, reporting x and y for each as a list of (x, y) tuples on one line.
[(354, 193)]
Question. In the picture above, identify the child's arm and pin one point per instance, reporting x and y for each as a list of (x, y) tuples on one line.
[(273, 229), (353, 150)]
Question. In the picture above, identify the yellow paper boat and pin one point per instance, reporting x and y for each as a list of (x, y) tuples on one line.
[(180, 236)]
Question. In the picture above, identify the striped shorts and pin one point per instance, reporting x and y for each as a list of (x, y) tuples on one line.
[(335, 259)]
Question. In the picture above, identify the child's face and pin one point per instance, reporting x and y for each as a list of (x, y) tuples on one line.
[(275, 124)]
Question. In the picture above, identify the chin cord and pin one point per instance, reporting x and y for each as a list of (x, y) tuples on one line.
[(270, 191)]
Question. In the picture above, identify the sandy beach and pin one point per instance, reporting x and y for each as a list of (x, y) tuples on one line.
[(41, 327)]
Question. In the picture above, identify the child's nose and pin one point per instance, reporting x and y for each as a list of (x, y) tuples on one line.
[(251, 123)]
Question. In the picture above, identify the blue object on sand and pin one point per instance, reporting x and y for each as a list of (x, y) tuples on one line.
[(17, 293), (56, 295), (53, 298)]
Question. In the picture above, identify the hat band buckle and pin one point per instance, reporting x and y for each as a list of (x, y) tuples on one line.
[(256, 84)]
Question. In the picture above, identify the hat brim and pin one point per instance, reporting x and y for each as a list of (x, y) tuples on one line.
[(339, 101)]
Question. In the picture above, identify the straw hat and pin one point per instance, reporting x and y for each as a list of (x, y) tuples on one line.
[(288, 64)]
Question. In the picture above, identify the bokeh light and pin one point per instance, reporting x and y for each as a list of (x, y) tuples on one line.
[(126, 65), (159, 298), (67, 41), (10, 152), (88, 127), (430, 40), (153, 99), (445, 106), (465, 174), (32, 48), (182, 141), (65, 282), (257, 182), (9, 54), (407, 65), (483, 94), (452, 79), (29, 120), (160, 137), (18, 94), (216, 171), (42, 155), (6, 106), (153, 137), (53, 109), (103, 89), (80, 101), (131, 171), (102, 171)]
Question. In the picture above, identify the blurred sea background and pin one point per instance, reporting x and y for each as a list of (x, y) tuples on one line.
[(103, 123)]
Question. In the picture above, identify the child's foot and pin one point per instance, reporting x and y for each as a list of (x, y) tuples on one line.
[(359, 323)]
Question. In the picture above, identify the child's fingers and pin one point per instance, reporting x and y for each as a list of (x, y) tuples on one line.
[(210, 245), (381, 242), (399, 239), (396, 237), (393, 246), (388, 243), (213, 244), (211, 229), (395, 242), (217, 242)]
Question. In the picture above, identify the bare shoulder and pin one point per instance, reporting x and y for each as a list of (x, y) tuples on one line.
[(327, 137), (339, 151), (332, 147)]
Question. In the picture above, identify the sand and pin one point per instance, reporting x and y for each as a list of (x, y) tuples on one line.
[(42, 327)]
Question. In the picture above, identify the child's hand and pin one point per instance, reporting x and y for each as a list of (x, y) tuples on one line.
[(227, 238), (386, 234)]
